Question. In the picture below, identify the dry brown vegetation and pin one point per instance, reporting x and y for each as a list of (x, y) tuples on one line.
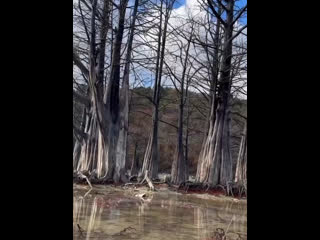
[(140, 126)]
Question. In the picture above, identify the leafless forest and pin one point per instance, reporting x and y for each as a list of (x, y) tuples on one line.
[(160, 86)]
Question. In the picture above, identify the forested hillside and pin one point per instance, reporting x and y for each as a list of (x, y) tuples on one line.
[(140, 118)]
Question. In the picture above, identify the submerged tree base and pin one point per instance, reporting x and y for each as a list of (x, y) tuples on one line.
[(233, 190)]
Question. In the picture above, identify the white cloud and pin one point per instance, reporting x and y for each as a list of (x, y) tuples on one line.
[(179, 20)]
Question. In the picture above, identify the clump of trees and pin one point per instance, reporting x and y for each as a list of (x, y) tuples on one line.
[(159, 87)]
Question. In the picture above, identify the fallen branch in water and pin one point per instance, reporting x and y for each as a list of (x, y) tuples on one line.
[(80, 229), (124, 230)]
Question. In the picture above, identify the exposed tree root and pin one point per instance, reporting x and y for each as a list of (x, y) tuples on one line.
[(146, 178), (90, 178), (231, 189), (236, 190), (82, 176)]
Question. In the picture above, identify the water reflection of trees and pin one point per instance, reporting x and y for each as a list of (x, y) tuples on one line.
[(96, 216), (229, 216), (87, 214), (176, 215), (166, 216)]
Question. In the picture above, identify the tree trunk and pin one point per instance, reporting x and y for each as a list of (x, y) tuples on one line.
[(213, 74), (76, 154), (89, 148), (215, 162), (214, 71), (151, 157), (241, 170), (178, 170), (187, 133), (99, 151), (79, 142), (135, 163), (124, 100), (115, 162)]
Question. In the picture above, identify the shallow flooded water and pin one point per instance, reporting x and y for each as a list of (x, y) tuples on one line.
[(109, 213)]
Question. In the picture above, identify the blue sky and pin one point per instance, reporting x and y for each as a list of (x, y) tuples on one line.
[(239, 4), (178, 3)]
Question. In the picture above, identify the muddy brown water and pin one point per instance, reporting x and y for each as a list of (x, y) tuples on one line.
[(113, 213)]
